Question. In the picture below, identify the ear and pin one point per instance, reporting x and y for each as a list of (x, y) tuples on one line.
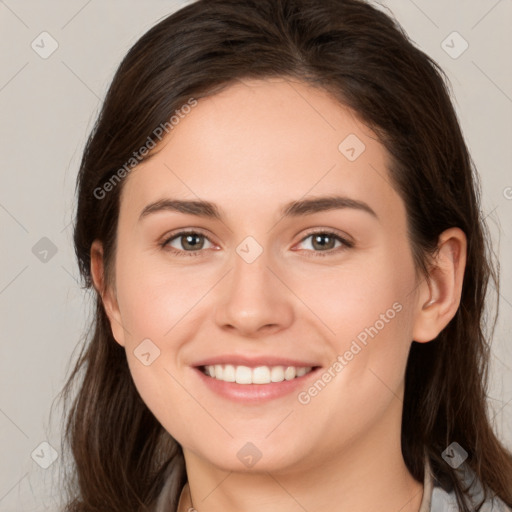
[(439, 299), (107, 293)]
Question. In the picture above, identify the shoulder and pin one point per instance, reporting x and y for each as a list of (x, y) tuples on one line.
[(444, 500)]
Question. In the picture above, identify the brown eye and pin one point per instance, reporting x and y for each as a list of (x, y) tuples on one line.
[(325, 241), (186, 242)]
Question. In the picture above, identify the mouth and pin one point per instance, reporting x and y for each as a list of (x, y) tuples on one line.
[(257, 375), (254, 384)]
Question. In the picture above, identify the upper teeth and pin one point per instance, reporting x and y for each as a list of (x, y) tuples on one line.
[(258, 375)]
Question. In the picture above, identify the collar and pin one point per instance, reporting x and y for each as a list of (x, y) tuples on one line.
[(437, 499)]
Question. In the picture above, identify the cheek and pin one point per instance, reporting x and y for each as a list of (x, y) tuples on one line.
[(372, 326), (160, 311), (163, 391), (355, 297), (368, 311), (154, 297)]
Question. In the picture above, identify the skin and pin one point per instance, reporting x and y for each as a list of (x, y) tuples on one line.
[(250, 149)]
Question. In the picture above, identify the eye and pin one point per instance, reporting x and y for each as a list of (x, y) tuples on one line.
[(189, 243), (325, 242)]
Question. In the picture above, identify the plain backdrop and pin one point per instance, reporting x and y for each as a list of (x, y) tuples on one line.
[(48, 105)]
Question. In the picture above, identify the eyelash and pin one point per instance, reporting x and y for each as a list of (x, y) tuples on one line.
[(346, 243)]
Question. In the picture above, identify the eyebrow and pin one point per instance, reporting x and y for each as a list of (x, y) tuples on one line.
[(298, 208)]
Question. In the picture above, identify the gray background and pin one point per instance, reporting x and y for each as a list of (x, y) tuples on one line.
[(48, 107)]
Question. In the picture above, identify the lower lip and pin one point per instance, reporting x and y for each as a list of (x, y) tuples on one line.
[(255, 393)]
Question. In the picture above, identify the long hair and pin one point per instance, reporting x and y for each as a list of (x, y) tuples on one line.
[(121, 454)]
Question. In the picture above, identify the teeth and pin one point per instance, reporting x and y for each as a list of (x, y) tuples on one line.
[(258, 375), (289, 373), (261, 375), (243, 375), (229, 374), (301, 372), (277, 374)]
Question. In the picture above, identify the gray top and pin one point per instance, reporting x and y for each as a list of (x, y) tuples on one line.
[(435, 498)]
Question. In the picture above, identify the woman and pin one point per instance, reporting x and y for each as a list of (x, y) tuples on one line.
[(279, 217)]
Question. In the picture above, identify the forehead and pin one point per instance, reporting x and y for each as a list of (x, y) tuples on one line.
[(262, 141)]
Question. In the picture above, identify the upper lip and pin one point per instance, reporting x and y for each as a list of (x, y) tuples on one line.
[(254, 361)]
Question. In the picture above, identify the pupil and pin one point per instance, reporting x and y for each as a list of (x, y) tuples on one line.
[(319, 237), (191, 237)]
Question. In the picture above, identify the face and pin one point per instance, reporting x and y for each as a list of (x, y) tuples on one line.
[(327, 286)]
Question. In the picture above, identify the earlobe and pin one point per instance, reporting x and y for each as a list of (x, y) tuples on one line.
[(106, 292), (440, 296)]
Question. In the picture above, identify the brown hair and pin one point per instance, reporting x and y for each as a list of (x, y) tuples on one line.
[(362, 56)]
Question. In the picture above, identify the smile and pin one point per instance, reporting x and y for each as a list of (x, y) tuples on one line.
[(257, 375)]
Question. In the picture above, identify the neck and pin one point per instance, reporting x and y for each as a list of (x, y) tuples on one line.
[(368, 474)]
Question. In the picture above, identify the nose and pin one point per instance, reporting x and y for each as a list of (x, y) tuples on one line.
[(254, 299)]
